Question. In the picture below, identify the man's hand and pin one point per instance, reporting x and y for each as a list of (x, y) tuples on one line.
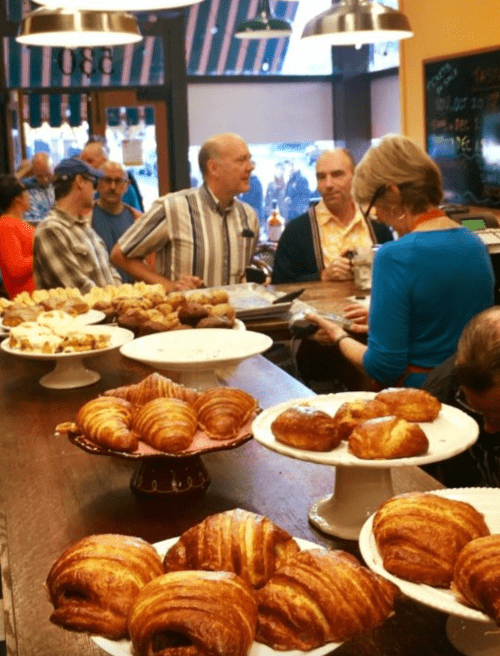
[(358, 314), (187, 282), (340, 268)]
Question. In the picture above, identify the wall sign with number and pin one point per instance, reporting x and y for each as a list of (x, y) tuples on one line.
[(462, 114), (87, 60)]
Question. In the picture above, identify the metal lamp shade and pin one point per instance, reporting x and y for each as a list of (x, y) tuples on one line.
[(264, 25), (354, 22), (63, 28), (121, 5)]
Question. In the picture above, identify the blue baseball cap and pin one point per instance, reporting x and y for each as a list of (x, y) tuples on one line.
[(70, 167)]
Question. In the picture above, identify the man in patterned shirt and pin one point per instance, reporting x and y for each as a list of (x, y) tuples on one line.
[(67, 252), (199, 236), (40, 188), (315, 245)]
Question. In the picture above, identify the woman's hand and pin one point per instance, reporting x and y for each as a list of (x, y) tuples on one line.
[(358, 315), (329, 331)]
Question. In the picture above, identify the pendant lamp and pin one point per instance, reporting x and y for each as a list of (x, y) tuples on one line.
[(264, 25), (64, 28), (121, 5), (355, 22)]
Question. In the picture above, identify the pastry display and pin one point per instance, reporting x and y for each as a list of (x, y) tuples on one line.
[(223, 411), (410, 403), (107, 421), (476, 577), (152, 387), (306, 427), (420, 535), (235, 541), (321, 596), (194, 613), (166, 424), (387, 437), (93, 584), (352, 413)]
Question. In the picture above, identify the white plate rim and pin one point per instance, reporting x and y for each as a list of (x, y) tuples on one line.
[(340, 456), (438, 598), (123, 647)]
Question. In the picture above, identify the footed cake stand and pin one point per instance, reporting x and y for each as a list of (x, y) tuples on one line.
[(362, 485), (470, 631)]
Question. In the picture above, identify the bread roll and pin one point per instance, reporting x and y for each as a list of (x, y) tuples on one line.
[(410, 403), (387, 437), (318, 597), (420, 535), (93, 584), (235, 541), (306, 427), (194, 614)]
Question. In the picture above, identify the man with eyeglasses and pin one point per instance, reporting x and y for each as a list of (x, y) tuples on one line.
[(40, 188), (67, 252), (316, 245), (470, 380), (111, 216)]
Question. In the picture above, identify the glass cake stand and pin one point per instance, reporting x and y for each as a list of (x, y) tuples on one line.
[(361, 485)]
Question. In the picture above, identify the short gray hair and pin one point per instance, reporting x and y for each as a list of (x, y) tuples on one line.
[(398, 160)]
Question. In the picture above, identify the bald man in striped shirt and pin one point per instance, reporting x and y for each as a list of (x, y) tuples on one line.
[(201, 236)]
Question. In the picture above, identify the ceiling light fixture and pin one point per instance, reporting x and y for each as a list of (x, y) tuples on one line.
[(355, 22), (123, 5), (64, 28), (264, 25)]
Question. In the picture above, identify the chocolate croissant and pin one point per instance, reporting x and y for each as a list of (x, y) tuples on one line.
[(93, 584), (223, 411), (107, 420), (318, 597), (476, 577), (168, 425), (306, 427), (352, 413), (387, 437), (194, 613), (410, 403), (420, 535), (152, 387), (235, 541)]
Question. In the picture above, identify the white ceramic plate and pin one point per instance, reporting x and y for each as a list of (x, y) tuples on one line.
[(85, 319), (118, 337), (185, 350), (452, 432), (486, 501), (124, 647)]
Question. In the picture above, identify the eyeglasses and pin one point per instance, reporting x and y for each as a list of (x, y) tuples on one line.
[(90, 179), (117, 181), (462, 401), (376, 196)]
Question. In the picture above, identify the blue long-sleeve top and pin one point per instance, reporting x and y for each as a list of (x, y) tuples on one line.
[(426, 286)]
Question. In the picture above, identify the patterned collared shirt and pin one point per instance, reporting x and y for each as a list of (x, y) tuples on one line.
[(191, 235), (67, 252), (336, 238), (41, 200)]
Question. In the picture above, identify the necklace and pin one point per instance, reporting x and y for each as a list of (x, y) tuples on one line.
[(428, 216)]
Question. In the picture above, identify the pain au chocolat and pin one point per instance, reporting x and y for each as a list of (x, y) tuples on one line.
[(386, 438), (318, 597), (410, 403), (194, 613), (419, 536), (306, 427), (237, 541), (93, 583), (352, 413)]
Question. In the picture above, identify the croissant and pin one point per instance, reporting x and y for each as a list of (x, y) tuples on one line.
[(107, 421), (223, 411), (166, 424), (153, 387), (306, 427), (420, 535), (476, 577), (352, 413), (93, 584), (235, 541), (387, 437), (195, 614), (410, 403), (321, 596)]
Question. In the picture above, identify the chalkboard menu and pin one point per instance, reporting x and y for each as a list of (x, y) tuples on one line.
[(462, 103)]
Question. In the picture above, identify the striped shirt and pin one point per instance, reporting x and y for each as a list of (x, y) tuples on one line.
[(191, 235), (67, 252)]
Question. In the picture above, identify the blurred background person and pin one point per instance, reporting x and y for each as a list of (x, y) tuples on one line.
[(427, 284), (16, 237), (40, 187), (297, 193), (276, 191), (255, 197)]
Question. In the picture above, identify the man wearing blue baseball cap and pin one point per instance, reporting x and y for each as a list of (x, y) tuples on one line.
[(67, 252)]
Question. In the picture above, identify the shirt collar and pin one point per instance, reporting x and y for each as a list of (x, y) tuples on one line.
[(68, 219), (215, 203), (324, 216)]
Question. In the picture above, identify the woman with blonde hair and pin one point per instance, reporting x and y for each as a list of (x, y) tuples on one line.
[(427, 284)]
